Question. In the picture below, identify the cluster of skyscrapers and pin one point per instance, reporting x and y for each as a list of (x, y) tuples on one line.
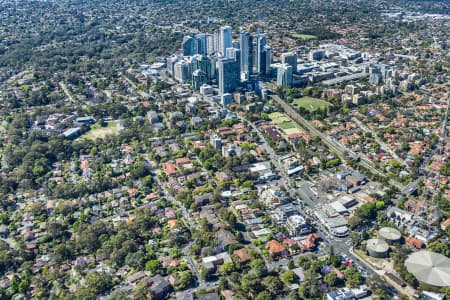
[(208, 58)]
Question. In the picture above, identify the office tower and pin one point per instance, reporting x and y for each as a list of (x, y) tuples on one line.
[(217, 41), (200, 44), (290, 58), (212, 74), (284, 75), (268, 57), (226, 99), (188, 46), (201, 62), (198, 79), (210, 44), (228, 75), (316, 54), (225, 39), (182, 71), (234, 54), (260, 53), (171, 63), (386, 71), (246, 43)]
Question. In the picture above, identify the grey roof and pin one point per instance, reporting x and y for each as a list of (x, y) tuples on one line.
[(389, 233), (429, 267), (377, 245)]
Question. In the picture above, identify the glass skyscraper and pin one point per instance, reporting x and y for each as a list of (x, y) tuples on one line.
[(228, 75), (225, 39), (246, 43)]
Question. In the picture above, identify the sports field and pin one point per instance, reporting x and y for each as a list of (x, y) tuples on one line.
[(311, 104), (304, 37), (292, 130), (284, 123), (101, 132), (287, 125), (278, 118)]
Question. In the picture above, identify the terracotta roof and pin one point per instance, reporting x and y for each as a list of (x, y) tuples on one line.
[(242, 254), (172, 223), (169, 168), (275, 247), (182, 161), (445, 224), (415, 242), (311, 240), (152, 196)]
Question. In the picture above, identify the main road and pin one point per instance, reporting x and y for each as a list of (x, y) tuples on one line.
[(340, 245), (338, 148)]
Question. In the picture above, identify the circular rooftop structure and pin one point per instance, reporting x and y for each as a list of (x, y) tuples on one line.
[(341, 231), (377, 248), (389, 234), (429, 268)]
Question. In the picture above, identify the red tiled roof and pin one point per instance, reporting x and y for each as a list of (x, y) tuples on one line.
[(170, 168), (182, 161), (275, 247), (445, 224), (415, 242), (172, 223), (242, 254)]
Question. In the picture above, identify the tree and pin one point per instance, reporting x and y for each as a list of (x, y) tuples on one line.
[(97, 283), (446, 291), (333, 259), (379, 205), (356, 238), (289, 277), (272, 284), (439, 247), (264, 295), (63, 253), (258, 267), (23, 286), (354, 221), (227, 268), (309, 288), (352, 277), (331, 279), (251, 284), (366, 211), (185, 280), (293, 295), (153, 265), (304, 261), (135, 259), (118, 294), (377, 285)]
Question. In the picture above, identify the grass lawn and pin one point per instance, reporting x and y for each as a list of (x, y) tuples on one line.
[(100, 132), (278, 118), (311, 104), (305, 37), (287, 125), (292, 130)]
